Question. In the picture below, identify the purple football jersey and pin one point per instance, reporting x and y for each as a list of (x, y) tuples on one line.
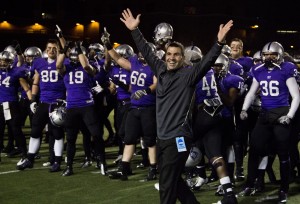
[(31, 74), (141, 78), (122, 75), (273, 90), (51, 83), (9, 83), (78, 84), (228, 82), (206, 88), (246, 62), (235, 68)]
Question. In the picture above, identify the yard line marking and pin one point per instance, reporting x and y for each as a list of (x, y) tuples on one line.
[(15, 171), (9, 172)]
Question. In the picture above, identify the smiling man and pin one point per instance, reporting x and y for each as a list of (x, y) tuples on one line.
[(175, 88)]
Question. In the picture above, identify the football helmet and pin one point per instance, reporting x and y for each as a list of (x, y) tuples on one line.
[(32, 53), (6, 60), (125, 51), (153, 47), (98, 48), (74, 54), (58, 115), (44, 54), (194, 157), (226, 50), (222, 62), (192, 54), (257, 57), (272, 48), (11, 49), (163, 32)]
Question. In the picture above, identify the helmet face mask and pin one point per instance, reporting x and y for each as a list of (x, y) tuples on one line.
[(272, 54), (73, 55), (58, 115), (257, 58), (163, 33), (192, 54), (125, 51), (221, 65), (6, 60), (96, 50), (32, 53)]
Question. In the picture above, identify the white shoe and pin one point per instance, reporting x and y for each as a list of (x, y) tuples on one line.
[(200, 181), (156, 186), (21, 161), (47, 164)]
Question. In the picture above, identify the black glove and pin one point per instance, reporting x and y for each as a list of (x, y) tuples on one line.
[(17, 47), (105, 39), (140, 93), (58, 32), (69, 44), (78, 47)]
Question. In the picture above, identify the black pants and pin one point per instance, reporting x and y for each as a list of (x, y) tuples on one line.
[(171, 164)]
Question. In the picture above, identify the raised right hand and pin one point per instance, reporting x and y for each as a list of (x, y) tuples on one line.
[(128, 19)]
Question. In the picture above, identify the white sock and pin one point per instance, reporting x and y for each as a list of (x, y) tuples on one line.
[(34, 145), (58, 147)]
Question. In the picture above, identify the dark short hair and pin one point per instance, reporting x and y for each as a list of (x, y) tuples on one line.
[(175, 44)]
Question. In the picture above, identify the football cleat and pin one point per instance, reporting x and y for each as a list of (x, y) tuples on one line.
[(151, 175), (239, 175), (199, 182), (86, 163), (228, 199), (14, 152), (68, 171), (24, 164), (47, 164), (118, 175), (55, 167), (220, 191), (247, 192), (282, 197), (156, 186)]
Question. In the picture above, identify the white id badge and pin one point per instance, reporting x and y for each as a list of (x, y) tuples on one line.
[(6, 111), (181, 147)]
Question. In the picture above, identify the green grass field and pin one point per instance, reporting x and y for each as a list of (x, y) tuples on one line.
[(39, 186)]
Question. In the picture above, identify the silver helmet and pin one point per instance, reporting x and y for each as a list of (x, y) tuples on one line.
[(226, 50), (125, 51), (6, 60), (223, 62), (98, 48), (11, 49), (33, 52), (58, 115), (163, 33), (192, 55), (257, 57), (273, 48), (44, 54), (74, 54)]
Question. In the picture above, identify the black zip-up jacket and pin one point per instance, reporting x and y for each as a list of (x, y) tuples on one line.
[(174, 89)]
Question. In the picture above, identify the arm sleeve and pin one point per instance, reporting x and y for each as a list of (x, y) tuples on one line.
[(250, 95), (154, 62), (294, 91)]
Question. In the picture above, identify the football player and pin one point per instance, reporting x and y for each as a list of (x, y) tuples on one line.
[(276, 81)]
